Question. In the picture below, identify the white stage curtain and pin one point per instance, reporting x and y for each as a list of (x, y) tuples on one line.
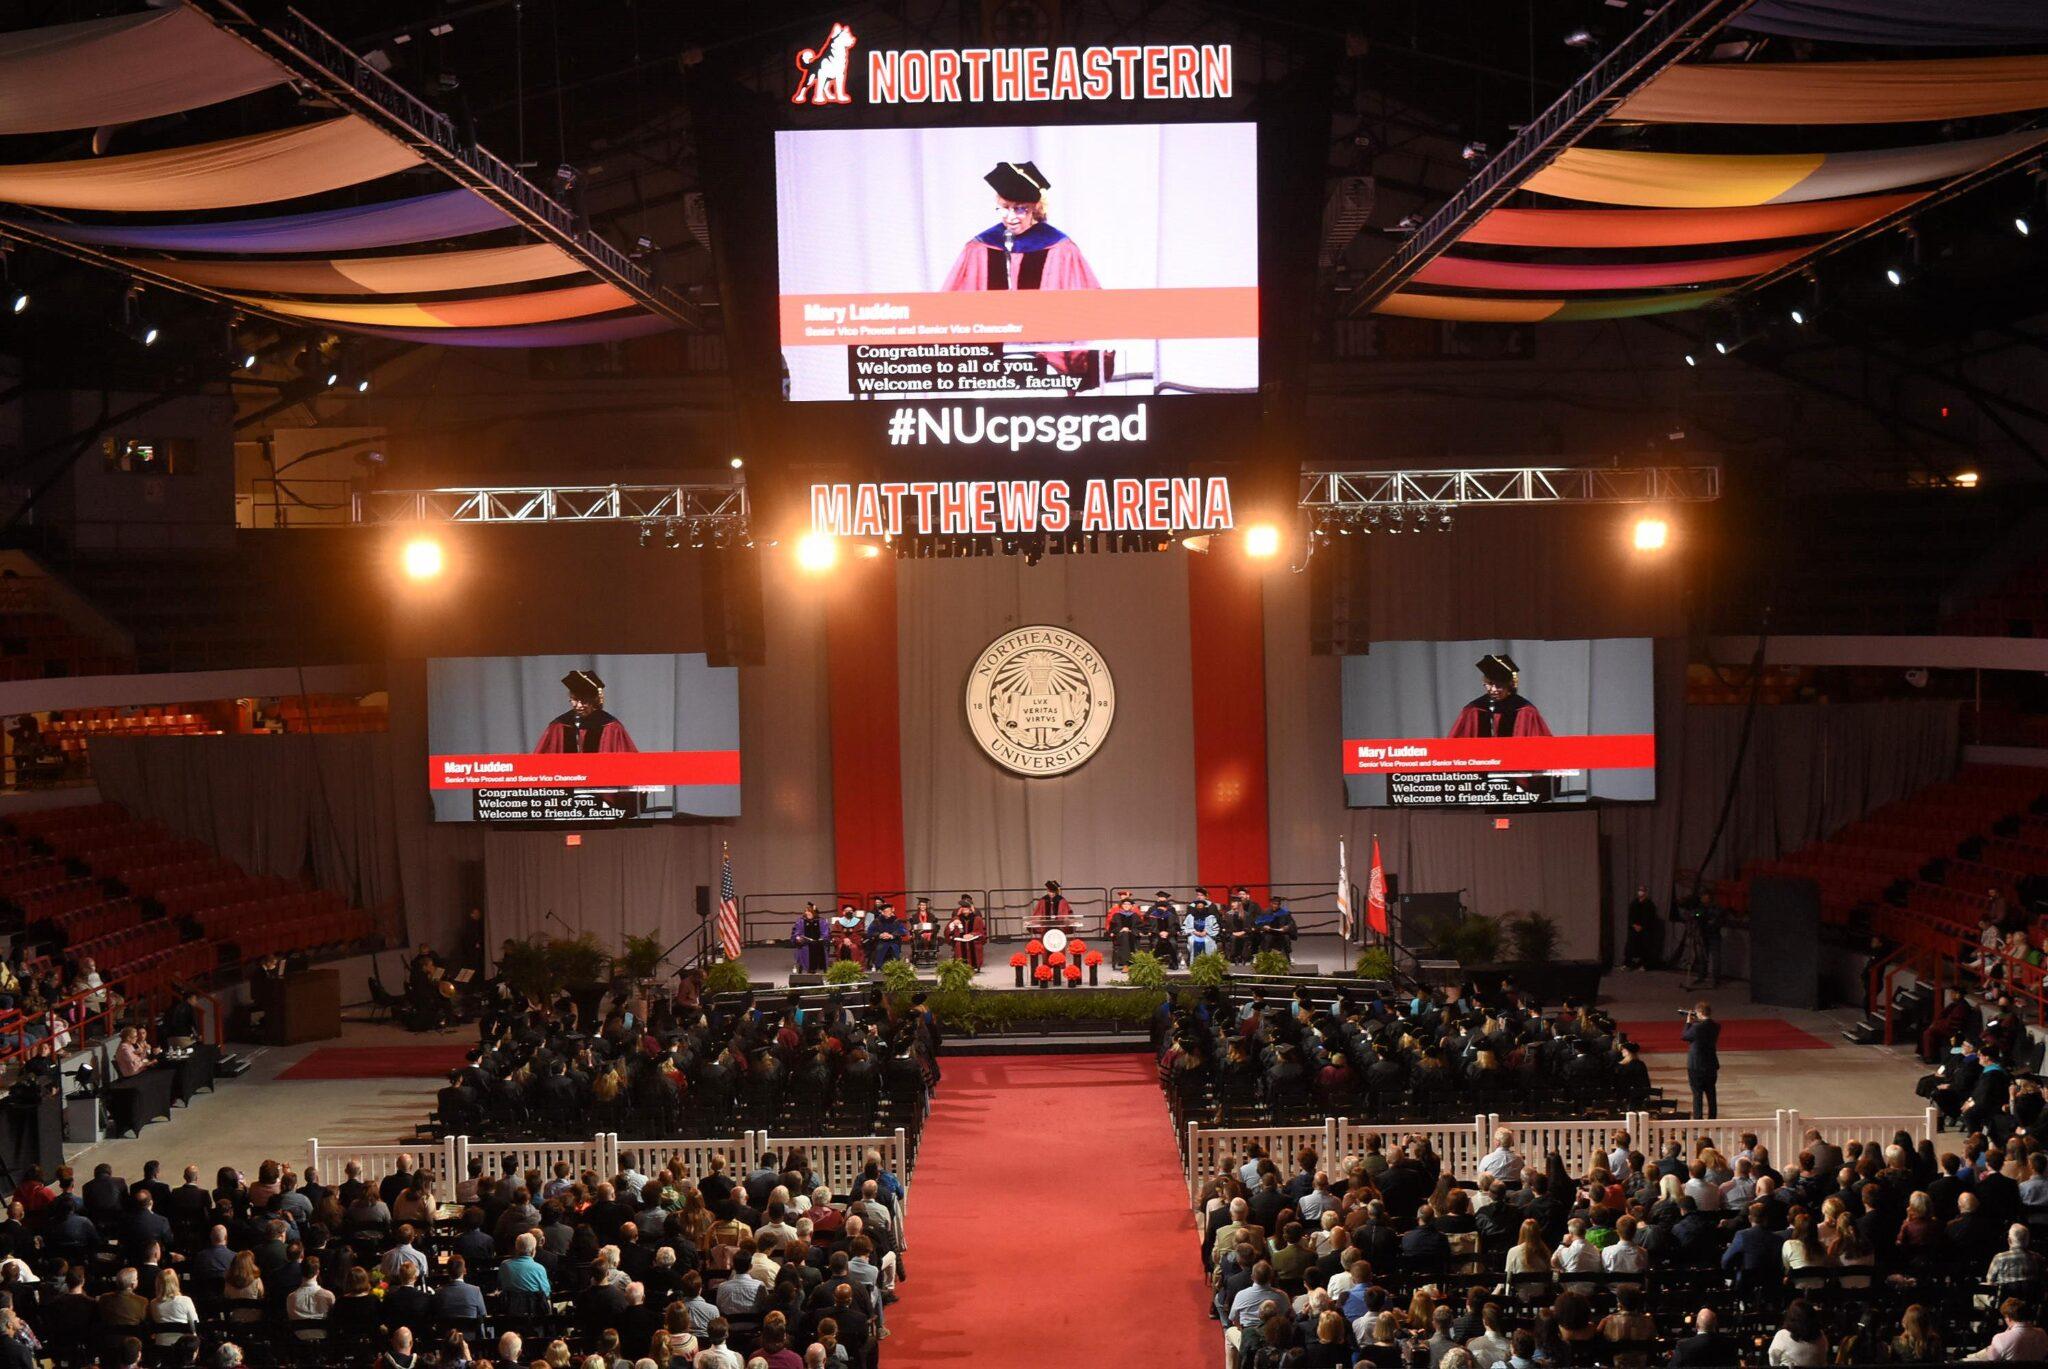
[(1128, 815)]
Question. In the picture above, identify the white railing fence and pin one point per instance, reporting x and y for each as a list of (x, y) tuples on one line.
[(1462, 1145), (838, 1161), (331, 1161)]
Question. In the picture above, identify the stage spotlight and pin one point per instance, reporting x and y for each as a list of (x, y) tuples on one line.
[(1722, 347), (1799, 316), (423, 558), (736, 463), (1965, 480), (1894, 275), (1581, 38), (1691, 360), (363, 386), (18, 303), (249, 361), (2021, 226), (1651, 534), (1262, 540), (333, 379), (817, 552)]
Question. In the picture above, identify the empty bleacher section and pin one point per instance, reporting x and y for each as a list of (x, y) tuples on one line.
[(1932, 856), (153, 909)]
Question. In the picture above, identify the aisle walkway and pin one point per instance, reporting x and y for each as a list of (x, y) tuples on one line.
[(1049, 1222)]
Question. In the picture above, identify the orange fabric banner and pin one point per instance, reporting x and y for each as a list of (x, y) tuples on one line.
[(999, 316), (408, 275), (1678, 227), (540, 306), (1838, 92), (281, 165)]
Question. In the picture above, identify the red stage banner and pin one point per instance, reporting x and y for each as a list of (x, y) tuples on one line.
[(584, 770), (996, 316), (1513, 755)]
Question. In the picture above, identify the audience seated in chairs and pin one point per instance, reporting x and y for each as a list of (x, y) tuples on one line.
[(669, 1266)]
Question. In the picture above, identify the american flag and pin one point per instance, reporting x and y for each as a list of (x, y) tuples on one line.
[(728, 910)]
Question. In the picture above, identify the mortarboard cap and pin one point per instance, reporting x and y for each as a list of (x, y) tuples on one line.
[(583, 684), (1021, 182), (1499, 669)]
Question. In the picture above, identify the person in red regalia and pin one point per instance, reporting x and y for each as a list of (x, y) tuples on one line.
[(1021, 251), (1501, 711), (586, 726)]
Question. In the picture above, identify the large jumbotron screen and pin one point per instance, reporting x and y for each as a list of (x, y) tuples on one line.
[(1500, 723), (582, 738), (1055, 263)]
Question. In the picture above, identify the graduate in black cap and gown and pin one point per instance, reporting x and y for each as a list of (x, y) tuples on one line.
[(1501, 711), (586, 726)]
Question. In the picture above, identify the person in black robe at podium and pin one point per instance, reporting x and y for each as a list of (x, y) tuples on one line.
[(1122, 926), (1051, 908)]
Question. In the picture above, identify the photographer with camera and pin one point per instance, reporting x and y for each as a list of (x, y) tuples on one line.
[(1702, 1057)]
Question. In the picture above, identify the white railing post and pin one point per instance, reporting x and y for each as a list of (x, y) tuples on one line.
[(1194, 1174), (450, 1175), (1790, 1134), (313, 1157), (1930, 1123), (1331, 1127)]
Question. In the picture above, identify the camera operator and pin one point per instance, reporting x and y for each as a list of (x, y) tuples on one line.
[(1707, 919), (1702, 1057)]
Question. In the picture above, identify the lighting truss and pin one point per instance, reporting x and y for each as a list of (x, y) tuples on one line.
[(1443, 490), (710, 507)]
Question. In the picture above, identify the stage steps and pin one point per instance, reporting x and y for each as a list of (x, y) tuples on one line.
[(1048, 1043)]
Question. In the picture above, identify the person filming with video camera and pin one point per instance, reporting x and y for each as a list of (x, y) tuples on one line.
[(1702, 1057)]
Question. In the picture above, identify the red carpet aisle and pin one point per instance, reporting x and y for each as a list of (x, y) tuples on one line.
[(378, 1062), (1665, 1036), (1049, 1223)]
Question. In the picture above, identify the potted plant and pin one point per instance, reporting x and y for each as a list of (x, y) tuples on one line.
[(1375, 962), (1209, 969), (899, 977), (955, 976), (846, 972), (1272, 962), (639, 956), (1145, 971), (524, 966), (726, 976)]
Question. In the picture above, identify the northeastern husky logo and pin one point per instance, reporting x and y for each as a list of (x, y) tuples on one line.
[(822, 71), (1040, 700)]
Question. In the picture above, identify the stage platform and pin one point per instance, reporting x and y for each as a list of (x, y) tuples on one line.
[(1323, 954)]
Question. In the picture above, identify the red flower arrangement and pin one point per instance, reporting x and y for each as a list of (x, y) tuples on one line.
[(1094, 957), (1076, 948), (1056, 960), (1073, 974), (1043, 974), (1019, 961), (1035, 947)]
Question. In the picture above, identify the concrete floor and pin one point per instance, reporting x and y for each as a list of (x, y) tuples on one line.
[(258, 1116)]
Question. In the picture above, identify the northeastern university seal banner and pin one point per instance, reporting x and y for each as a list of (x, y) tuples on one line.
[(1040, 700)]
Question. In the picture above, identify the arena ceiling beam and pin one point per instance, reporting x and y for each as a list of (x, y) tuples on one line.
[(321, 63), (1339, 490), (1675, 31)]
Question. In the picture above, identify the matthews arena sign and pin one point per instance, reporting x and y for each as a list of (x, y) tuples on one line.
[(1013, 508), (1010, 75)]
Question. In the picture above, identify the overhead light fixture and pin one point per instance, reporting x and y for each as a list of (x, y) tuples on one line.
[(817, 552), (1651, 534), (1798, 316), (1722, 347), (1473, 152), (249, 361), (423, 558), (1894, 275), (1262, 540), (2021, 226), (1966, 480), (363, 386), (736, 463), (18, 303), (1691, 360), (1580, 39), (333, 379)]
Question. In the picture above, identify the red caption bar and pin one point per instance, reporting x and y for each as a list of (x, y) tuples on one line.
[(584, 770), (1441, 755)]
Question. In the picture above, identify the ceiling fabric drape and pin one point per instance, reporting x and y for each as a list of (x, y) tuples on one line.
[(357, 228), (119, 70), (408, 275), (1682, 180), (1525, 309), (1902, 23), (1838, 92), (541, 306), (1472, 274), (1678, 227), (579, 333), (261, 168)]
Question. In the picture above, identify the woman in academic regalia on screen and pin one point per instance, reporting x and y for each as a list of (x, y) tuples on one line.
[(1021, 251), (586, 726)]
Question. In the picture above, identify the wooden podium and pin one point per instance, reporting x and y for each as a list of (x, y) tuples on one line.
[(300, 1007)]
